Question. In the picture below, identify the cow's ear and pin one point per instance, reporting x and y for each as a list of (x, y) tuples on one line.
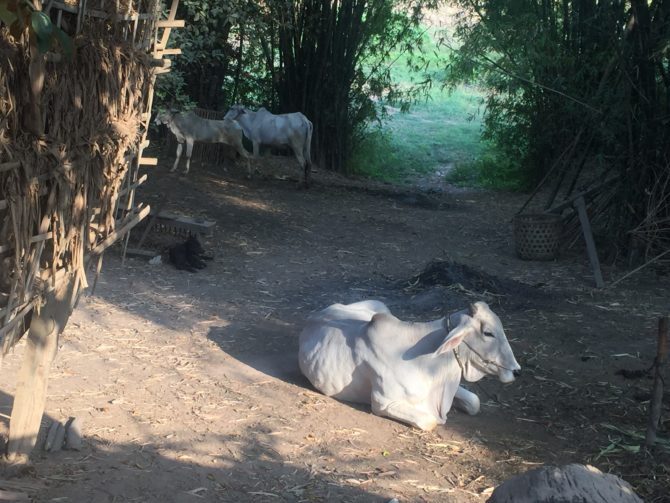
[(472, 309), (454, 338)]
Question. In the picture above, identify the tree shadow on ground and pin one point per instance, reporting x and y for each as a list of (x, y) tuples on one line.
[(244, 467), (275, 270)]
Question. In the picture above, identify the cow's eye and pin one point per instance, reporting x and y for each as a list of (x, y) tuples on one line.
[(489, 334)]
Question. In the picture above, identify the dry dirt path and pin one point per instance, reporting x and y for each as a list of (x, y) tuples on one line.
[(188, 386)]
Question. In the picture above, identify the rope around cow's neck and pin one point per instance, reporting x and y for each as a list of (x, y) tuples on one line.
[(454, 350), (485, 361)]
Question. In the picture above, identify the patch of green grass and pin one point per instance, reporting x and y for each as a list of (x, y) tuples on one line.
[(374, 157), (444, 130), (491, 170)]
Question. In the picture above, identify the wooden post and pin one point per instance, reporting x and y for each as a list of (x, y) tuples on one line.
[(656, 402), (590, 243), (31, 389)]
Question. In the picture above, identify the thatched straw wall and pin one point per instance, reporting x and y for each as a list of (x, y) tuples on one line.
[(59, 191)]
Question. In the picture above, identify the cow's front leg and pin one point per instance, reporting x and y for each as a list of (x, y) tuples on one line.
[(176, 161), (405, 412), (189, 151), (257, 149), (466, 401), (244, 154), (248, 166)]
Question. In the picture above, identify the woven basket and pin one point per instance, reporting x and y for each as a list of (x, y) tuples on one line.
[(537, 236)]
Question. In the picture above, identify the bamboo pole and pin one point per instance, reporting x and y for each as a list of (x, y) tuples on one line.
[(31, 389), (590, 243), (656, 402)]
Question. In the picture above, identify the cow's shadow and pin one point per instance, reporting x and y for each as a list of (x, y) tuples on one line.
[(278, 362), (278, 356)]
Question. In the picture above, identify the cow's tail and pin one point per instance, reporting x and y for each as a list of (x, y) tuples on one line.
[(307, 154)]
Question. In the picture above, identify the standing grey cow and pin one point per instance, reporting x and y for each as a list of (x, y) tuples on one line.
[(188, 128), (285, 130), (407, 371)]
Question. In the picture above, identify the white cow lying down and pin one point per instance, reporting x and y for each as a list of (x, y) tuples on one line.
[(407, 371)]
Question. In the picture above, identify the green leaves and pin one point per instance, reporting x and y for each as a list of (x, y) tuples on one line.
[(6, 16), (43, 30), (46, 34), (20, 15)]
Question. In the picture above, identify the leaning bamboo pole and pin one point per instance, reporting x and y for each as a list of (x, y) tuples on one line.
[(656, 402)]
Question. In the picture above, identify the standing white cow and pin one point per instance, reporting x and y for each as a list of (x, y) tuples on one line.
[(407, 371), (188, 128), (285, 130)]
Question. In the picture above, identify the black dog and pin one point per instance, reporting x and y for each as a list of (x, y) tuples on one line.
[(189, 255)]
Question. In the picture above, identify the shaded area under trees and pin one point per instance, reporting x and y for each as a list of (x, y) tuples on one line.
[(326, 58), (580, 92)]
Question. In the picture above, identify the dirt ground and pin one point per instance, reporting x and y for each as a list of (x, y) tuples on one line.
[(188, 386)]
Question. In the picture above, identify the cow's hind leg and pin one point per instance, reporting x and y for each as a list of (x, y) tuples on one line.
[(180, 146), (304, 165), (405, 412), (306, 174), (466, 401), (189, 151)]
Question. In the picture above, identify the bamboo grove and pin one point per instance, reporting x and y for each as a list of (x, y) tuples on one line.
[(325, 58), (579, 93), (577, 90)]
